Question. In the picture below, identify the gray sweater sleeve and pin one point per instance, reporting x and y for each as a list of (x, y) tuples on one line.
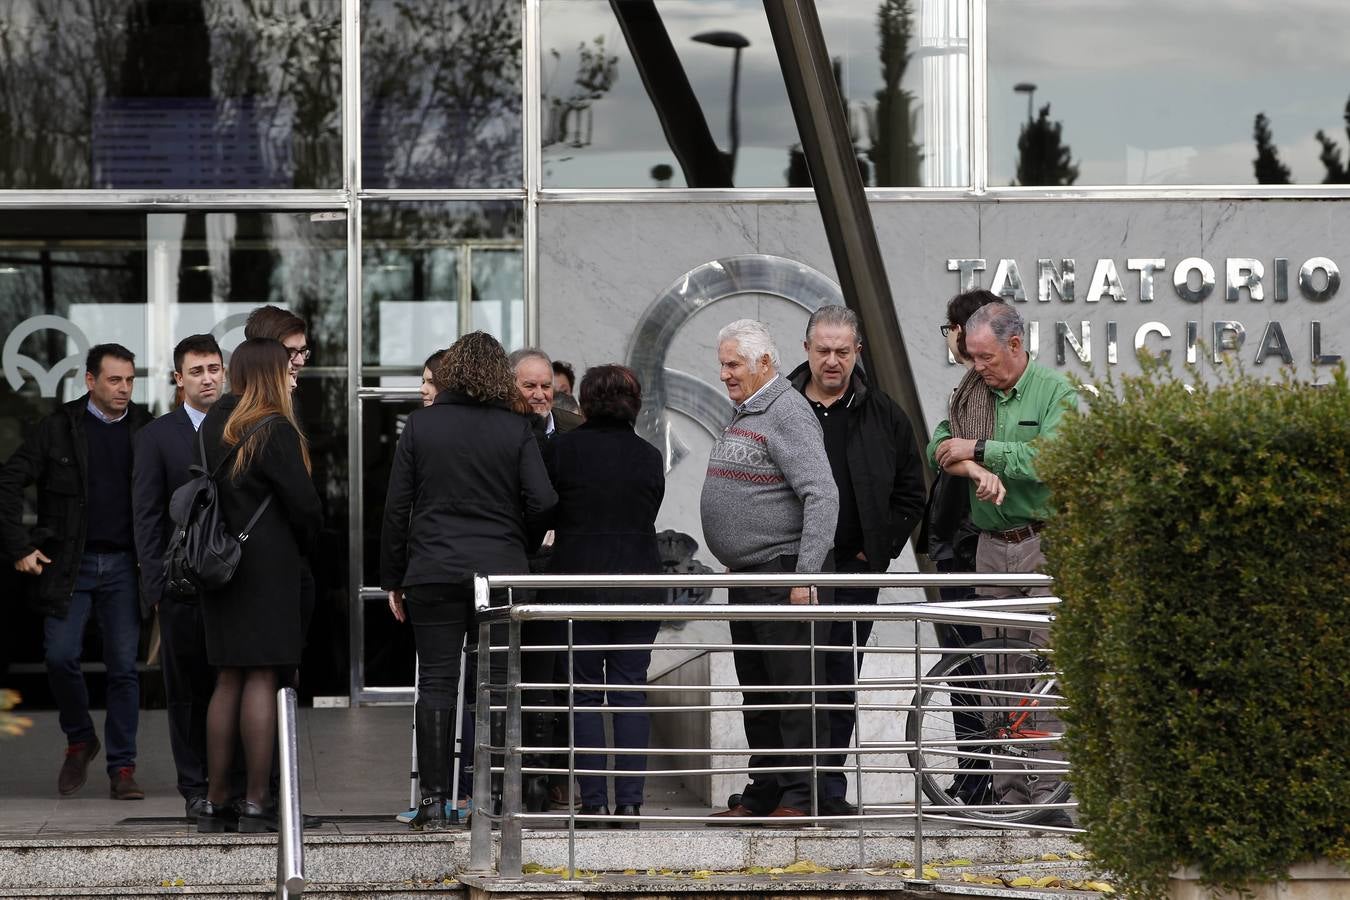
[(807, 470)]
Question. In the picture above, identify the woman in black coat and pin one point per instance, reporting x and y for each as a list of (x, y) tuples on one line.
[(254, 632), (467, 494), (610, 484)]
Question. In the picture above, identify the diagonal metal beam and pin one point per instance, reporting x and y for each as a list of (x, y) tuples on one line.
[(821, 123), (658, 64)]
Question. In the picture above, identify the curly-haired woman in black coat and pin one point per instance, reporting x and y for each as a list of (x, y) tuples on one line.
[(466, 491)]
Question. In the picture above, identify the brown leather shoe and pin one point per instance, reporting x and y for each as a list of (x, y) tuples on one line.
[(730, 817), (76, 766), (123, 785), (789, 815)]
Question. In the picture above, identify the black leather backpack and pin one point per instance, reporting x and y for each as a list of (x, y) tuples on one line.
[(202, 554)]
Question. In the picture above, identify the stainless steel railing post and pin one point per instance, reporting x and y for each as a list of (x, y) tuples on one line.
[(480, 831), (290, 838), (855, 660), (572, 753), (509, 864), (918, 753)]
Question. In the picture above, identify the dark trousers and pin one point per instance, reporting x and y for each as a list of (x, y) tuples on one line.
[(439, 614), (188, 682), (842, 668), (631, 729), (768, 726), (106, 587)]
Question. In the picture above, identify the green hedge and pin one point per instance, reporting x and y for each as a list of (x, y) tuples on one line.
[(1201, 543)]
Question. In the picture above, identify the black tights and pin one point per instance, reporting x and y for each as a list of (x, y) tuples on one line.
[(243, 709)]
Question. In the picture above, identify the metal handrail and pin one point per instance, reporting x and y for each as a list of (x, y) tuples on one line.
[(290, 823), (1010, 613)]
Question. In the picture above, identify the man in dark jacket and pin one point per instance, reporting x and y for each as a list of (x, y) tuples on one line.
[(164, 450), (879, 473), (80, 558)]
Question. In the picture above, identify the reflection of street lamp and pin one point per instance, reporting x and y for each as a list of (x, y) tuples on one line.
[(1026, 87), (736, 42)]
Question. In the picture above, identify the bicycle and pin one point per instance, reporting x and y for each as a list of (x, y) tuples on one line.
[(981, 707)]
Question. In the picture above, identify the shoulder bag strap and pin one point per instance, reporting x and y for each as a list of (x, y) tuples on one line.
[(267, 501)]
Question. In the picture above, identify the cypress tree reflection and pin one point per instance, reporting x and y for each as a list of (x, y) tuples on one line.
[(1042, 156)]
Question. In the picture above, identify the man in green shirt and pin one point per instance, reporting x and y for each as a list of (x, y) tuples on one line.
[(1008, 501)]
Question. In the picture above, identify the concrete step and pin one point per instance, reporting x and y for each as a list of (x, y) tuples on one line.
[(394, 864)]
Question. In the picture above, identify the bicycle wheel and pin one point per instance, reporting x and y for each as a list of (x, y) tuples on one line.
[(980, 709)]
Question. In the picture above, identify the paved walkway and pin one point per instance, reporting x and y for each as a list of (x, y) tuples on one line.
[(353, 766)]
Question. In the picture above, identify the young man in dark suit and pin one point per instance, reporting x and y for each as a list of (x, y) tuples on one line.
[(79, 558), (164, 450)]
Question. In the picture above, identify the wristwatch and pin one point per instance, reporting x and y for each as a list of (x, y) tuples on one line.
[(979, 451)]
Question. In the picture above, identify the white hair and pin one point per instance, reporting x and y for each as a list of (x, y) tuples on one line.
[(753, 342), (1004, 322)]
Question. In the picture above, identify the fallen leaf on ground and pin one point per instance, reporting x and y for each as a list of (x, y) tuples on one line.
[(805, 867), (991, 880)]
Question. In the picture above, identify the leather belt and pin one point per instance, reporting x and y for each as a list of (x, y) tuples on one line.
[(1018, 535)]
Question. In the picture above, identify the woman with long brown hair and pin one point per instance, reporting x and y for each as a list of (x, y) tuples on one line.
[(254, 631)]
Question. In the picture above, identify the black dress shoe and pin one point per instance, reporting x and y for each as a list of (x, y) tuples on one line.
[(192, 808), (836, 806), (213, 819), (1055, 818), (584, 810), (254, 818), (631, 811)]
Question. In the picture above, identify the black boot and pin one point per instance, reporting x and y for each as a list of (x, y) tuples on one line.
[(433, 766)]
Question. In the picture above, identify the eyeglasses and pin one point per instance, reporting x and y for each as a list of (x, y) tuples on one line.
[(948, 329), (300, 353)]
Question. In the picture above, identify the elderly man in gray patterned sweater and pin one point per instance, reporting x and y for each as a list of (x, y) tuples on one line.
[(770, 505)]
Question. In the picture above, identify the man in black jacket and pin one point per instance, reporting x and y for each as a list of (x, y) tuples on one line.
[(879, 473), (80, 558), (164, 450)]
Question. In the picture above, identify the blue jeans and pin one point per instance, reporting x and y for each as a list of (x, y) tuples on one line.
[(106, 586)]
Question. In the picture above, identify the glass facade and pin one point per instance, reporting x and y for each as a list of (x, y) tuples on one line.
[(193, 94), (681, 93), (1165, 93), (380, 166)]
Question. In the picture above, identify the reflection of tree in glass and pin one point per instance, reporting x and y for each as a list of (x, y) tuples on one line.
[(570, 118), (441, 84), (1042, 156), (1269, 169), (894, 154), (274, 65), (1337, 173), (281, 61), (56, 56)]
